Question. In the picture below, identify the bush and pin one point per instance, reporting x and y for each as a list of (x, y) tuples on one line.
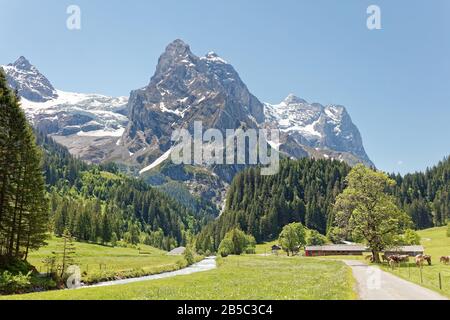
[(114, 239), (315, 239), (448, 229), (225, 247), (10, 283), (189, 255), (410, 237), (237, 242)]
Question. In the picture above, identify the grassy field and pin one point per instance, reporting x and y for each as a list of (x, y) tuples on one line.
[(237, 277), (100, 263), (436, 244), (266, 248)]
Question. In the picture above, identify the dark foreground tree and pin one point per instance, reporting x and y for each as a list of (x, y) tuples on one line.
[(23, 205)]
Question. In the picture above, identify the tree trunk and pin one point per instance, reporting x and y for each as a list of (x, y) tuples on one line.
[(19, 197), (376, 256)]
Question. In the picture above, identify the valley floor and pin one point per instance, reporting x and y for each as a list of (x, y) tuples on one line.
[(259, 276), (250, 277), (102, 263)]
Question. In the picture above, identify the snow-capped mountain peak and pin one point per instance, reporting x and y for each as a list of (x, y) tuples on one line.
[(214, 57), (28, 81), (22, 63), (316, 126), (293, 99), (73, 119)]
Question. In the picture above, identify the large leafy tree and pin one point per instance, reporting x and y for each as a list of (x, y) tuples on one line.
[(292, 237), (367, 212)]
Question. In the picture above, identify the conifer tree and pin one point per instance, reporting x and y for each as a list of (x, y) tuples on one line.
[(23, 205)]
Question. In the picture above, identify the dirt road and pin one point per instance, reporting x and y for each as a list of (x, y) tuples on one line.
[(375, 284)]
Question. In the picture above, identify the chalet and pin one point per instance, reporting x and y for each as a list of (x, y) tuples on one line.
[(335, 250), (177, 251), (275, 249), (411, 251)]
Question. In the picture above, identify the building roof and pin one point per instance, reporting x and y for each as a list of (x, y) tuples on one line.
[(177, 251), (406, 249), (336, 247)]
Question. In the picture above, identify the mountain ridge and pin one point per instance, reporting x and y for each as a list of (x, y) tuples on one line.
[(135, 132)]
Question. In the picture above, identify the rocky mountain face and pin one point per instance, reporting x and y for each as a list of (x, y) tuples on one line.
[(88, 124), (29, 82), (187, 88), (136, 131), (317, 130)]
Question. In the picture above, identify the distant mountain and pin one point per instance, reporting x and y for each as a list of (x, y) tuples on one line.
[(84, 123), (29, 82), (324, 131), (186, 88), (136, 132)]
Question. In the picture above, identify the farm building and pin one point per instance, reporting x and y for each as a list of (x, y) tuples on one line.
[(334, 250), (276, 249), (411, 251), (177, 251)]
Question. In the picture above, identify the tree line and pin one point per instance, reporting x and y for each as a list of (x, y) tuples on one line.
[(302, 191), (23, 203), (305, 191), (425, 195)]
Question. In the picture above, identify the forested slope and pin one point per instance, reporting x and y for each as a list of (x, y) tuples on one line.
[(98, 203)]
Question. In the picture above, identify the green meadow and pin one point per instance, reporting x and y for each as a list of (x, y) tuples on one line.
[(436, 244), (101, 263), (248, 277)]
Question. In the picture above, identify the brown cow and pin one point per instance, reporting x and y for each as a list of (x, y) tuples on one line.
[(445, 259), (392, 262), (421, 258)]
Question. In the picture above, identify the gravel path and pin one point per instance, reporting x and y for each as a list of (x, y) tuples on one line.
[(376, 284)]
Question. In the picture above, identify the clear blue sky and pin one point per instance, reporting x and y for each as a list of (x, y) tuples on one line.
[(395, 82)]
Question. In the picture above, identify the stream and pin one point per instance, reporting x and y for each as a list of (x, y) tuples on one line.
[(204, 265)]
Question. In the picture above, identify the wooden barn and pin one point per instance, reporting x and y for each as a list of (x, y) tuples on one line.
[(335, 250), (411, 251)]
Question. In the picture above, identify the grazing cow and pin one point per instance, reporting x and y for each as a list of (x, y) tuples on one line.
[(421, 258), (392, 262), (385, 258), (445, 259)]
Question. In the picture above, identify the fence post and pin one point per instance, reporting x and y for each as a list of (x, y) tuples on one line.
[(440, 281)]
